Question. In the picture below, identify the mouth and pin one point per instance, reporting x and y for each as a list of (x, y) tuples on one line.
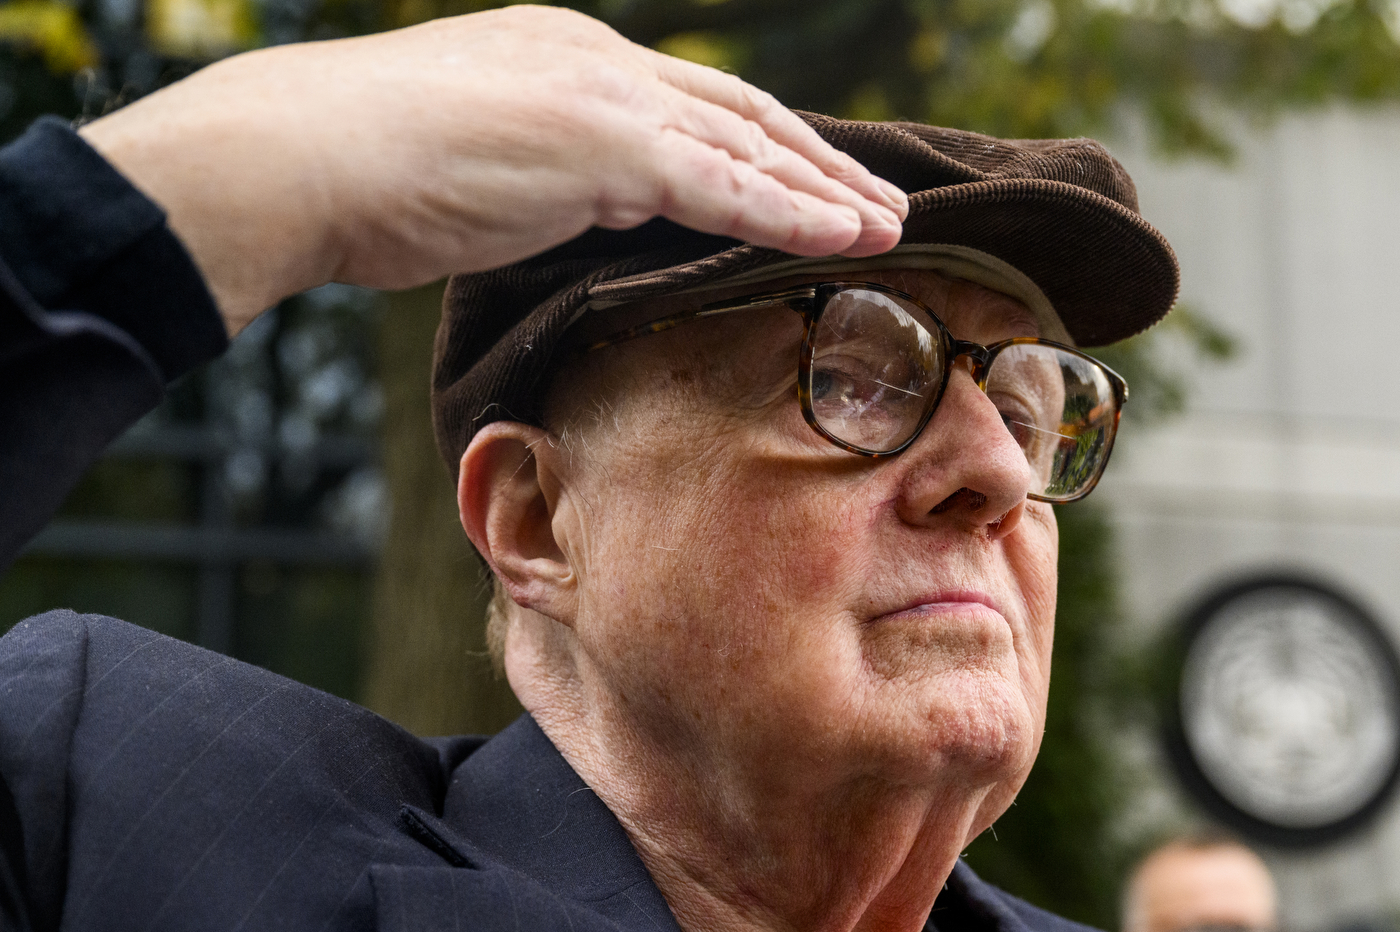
[(943, 603)]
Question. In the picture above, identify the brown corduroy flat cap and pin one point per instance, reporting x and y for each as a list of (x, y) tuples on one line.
[(1062, 213)]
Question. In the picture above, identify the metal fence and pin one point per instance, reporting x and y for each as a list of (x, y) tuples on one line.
[(262, 412)]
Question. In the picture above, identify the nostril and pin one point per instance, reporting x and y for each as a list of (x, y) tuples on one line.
[(968, 498)]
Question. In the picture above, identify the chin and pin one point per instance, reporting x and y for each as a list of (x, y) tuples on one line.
[(975, 727)]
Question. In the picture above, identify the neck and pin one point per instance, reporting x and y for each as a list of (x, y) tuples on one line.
[(823, 834), (808, 849)]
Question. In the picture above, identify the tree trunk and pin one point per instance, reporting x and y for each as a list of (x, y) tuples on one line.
[(427, 669)]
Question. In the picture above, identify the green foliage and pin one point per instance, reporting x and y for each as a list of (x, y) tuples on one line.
[(156, 596), (1157, 387), (135, 490), (1017, 68), (1036, 68), (51, 28), (304, 622), (29, 90)]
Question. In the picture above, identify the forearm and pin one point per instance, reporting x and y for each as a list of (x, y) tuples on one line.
[(386, 161)]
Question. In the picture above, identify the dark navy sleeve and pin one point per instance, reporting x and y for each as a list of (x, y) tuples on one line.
[(100, 308)]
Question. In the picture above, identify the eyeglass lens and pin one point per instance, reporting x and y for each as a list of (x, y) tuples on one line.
[(875, 369), (878, 365)]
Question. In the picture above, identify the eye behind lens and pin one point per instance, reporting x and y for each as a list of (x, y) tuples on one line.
[(874, 365), (877, 365)]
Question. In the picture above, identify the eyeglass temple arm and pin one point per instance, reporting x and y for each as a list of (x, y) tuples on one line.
[(705, 310)]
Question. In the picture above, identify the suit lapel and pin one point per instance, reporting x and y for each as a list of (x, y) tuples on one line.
[(532, 847)]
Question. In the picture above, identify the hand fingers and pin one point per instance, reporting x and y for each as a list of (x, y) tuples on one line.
[(707, 189), (780, 123), (746, 141)]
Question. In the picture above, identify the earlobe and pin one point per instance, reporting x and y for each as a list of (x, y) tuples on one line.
[(507, 497)]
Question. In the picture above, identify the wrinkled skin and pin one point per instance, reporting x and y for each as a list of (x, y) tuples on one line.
[(803, 680)]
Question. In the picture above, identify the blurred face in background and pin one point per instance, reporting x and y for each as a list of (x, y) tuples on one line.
[(1183, 887)]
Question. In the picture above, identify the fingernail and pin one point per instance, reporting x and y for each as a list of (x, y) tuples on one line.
[(897, 200)]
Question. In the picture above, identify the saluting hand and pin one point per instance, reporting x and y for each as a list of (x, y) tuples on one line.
[(468, 143)]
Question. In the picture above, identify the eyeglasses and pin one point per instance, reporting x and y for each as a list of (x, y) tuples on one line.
[(875, 362)]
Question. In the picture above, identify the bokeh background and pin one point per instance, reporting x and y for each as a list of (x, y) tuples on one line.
[(286, 504)]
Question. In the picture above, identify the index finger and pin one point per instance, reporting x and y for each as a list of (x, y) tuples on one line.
[(781, 124)]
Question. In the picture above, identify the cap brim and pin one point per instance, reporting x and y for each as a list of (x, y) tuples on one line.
[(961, 262), (1106, 272)]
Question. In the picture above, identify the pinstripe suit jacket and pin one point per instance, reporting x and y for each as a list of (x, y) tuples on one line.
[(152, 785), (146, 784)]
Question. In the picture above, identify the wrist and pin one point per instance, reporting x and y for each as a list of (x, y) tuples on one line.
[(214, 154)]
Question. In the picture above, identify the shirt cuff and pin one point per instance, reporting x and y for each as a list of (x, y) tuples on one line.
[(79, 237)]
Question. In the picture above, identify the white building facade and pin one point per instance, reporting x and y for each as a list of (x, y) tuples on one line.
[(1288, 458)]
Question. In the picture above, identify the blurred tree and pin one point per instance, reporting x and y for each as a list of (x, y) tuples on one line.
[(1016, 68), (1022, 68), (428, 667), (52, 29), (199, 28)]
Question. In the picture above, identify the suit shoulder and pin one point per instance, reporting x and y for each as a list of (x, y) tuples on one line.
[(155, 778), (55, 663), (45, 665), (61, 637), (1042, 920), (124, 686), (62, 648), (88, 701)]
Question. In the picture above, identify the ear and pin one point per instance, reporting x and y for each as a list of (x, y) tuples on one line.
[(508, 496)]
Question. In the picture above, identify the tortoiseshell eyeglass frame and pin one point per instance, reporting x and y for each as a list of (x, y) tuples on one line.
[(810, 302)]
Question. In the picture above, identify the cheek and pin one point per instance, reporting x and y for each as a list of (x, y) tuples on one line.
[(1032, 553), (731, 596), (767, 563)]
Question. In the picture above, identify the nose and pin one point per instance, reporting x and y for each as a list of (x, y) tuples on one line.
[(965, 468)]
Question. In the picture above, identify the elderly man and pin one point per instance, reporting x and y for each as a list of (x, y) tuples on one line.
[(773, 542), (776, 574)]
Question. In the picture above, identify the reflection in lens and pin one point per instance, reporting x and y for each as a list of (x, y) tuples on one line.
[(875, 366), (1061, 408)]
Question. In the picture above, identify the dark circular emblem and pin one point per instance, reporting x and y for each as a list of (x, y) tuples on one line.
[(1286, 719)]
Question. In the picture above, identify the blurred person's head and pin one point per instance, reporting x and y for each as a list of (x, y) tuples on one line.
[(1202, 883)]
